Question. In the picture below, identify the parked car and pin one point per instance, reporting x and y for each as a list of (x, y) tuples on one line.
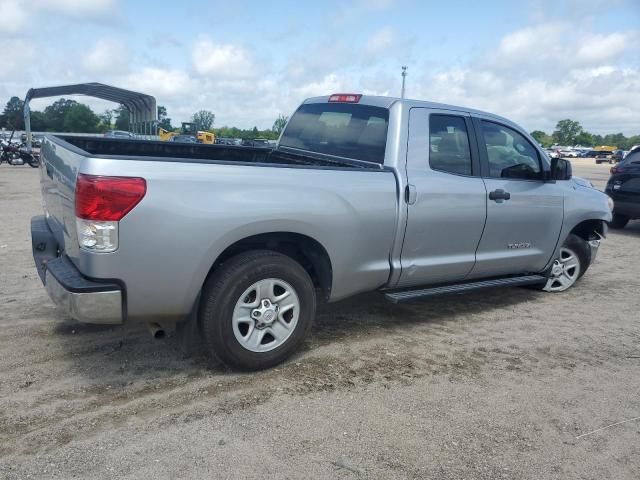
[(617, 155), (553, 153), (624, 188), (257, 142), (604, 156), (228, 141), (376, 194), (122, 134), (183, 139), (568, 153)]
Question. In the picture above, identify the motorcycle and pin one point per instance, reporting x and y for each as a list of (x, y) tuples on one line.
[(15, 154)]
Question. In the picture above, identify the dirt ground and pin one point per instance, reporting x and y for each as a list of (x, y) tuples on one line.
[(495, 384)]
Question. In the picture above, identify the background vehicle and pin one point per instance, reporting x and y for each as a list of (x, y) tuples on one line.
[(617, 155), (15, 154), (604, 156), (624, 188), (568, 153), (244, 242), (183, 139), (119, 134), (258, 142), (553, 153), (228, 141), (188, 129)]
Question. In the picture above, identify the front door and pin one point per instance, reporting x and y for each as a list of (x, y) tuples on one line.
[(524, 213), (445, 198)]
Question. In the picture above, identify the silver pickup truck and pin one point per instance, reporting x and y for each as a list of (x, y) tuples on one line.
[(362, 193)]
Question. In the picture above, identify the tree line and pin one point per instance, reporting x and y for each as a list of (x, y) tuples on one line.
[(570, 133), (66, 115)]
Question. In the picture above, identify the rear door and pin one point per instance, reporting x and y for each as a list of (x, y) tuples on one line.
[(524, 213), (445, 198)]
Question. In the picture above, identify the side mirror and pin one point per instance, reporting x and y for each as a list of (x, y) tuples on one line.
[(560, 169)]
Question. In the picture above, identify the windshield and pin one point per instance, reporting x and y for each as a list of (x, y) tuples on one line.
[(342, 129)]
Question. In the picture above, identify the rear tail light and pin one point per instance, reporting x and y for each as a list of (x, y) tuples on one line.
[(101, 202), (345, 98), (614, 170)]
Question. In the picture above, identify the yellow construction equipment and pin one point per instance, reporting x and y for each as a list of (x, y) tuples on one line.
[(188, 128)]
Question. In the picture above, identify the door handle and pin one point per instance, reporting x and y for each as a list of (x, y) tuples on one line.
[(499, 194), (410, 194)]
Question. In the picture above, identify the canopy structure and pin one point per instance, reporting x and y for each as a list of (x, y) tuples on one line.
[(143, 113)]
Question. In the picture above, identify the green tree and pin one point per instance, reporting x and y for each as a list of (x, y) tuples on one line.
[(566, 132), (615, 140), (38, 121), (163, 120), (584, 139), (55, 114), (122, 118), (542, 138), (80, 118), (204, 119), (106, 118), (279, 124), (13, 115)]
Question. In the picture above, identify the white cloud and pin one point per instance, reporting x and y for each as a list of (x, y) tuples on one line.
[(380, 41), (15, 53), (221, 60), (162, 83), (598, 48), (331, 83), (14, 16), (77, 8), (108, 56)]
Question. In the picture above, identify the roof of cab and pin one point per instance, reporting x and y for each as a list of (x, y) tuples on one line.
[(388, 102)]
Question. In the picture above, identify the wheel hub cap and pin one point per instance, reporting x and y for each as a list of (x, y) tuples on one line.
[(266, 315), (564, 271)]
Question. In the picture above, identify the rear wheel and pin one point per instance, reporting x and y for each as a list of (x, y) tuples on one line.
[(256, 311), (572, 262), (618, 221)]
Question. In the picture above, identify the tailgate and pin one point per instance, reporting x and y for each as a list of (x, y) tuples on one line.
[(59, 169)]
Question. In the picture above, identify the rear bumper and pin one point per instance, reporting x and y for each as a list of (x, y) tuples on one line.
[(84, 299)]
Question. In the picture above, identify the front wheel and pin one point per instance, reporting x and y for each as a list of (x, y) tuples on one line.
[(257, 309), (572, 262)]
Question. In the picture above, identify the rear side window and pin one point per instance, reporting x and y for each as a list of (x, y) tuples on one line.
[(342, 129), (449, 144), (510, 155)]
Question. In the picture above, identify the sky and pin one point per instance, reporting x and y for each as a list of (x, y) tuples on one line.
[(535, 62)]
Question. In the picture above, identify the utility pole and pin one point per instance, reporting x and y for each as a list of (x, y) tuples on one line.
[(404, 76)]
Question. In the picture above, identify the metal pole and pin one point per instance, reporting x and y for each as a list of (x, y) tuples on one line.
[(404, 76), (27, 123)]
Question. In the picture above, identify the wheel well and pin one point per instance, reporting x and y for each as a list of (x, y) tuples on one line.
[(305, 250), (590, 229)]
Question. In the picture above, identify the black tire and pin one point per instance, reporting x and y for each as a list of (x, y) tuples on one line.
[(618, 221), (582, 249), (224, 288)]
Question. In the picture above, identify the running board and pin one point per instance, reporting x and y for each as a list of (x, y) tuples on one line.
[(405, 295)]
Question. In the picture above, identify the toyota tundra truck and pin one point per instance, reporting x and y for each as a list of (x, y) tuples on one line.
[(361, 193)]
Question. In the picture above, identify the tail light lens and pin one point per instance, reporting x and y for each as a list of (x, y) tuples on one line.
[(101, 202)]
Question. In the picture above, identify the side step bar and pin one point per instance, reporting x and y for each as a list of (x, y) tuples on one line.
[(406, 295)]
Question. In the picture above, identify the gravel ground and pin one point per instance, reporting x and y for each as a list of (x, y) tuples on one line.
[(496, 384)]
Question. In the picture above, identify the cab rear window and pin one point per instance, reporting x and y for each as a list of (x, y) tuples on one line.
[(343, 129)]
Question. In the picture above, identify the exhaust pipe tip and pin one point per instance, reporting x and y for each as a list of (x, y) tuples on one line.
[(156, 331)]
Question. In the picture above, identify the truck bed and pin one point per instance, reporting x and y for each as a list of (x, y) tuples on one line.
[(199, 153)]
